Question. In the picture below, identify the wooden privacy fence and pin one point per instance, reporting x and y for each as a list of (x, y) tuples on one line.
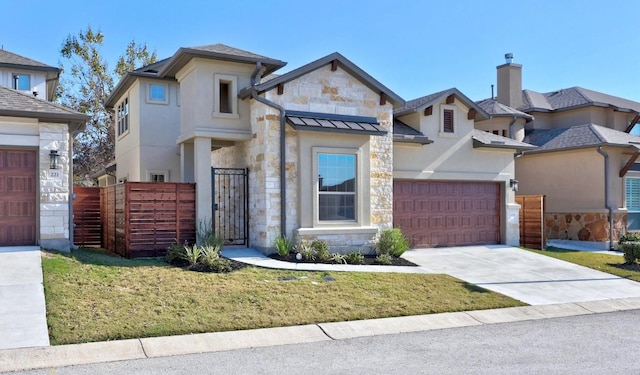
[(141, 219), (531, 221), (87, 228)]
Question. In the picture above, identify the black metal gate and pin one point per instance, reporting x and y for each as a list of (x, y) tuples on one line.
[(230, 195)]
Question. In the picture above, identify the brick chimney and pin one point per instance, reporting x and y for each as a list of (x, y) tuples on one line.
[(510, 83)]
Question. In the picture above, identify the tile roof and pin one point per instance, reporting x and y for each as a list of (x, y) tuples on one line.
[(428, 100), (574, 97), (580, 136), (16, 104), (485, 139), (496, 109), (11, 59), (334, 123)]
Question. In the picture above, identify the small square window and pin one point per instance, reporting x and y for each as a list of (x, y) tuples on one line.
[(21, 82), (156, 177), (156, 92)]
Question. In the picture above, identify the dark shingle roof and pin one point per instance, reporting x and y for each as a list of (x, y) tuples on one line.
[(231, 51), (486, 139), (431, 99), (574, 97), (405, 133), (16, 104), (579, 136), (11, 59), (496, 109)]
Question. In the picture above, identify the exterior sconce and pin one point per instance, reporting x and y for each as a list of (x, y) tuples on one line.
[(513, 184), (53, 159)]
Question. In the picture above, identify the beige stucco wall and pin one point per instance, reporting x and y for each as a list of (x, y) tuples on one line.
[(501, 124), (127, 145), (606, 117), (53, 185), (453, 158)]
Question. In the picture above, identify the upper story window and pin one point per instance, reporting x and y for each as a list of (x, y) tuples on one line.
[(225, 102), (447, 120), (21, 81), (157, 93), (336, 187), (123, 117), (158, 176)]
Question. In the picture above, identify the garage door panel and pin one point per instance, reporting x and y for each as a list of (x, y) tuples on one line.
[(18, 198), (448, 213)]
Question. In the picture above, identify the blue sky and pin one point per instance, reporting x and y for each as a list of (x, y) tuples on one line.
[(413, 47)]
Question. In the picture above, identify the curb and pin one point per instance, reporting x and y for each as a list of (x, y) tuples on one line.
[(109, 351)]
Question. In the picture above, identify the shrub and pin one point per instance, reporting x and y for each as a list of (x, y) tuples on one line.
[(174, 252), (321, 250), (304, 248), (191, 254), (392, 242), (206, 236), (218, 265), (209, 254), (354, 258), (283, 246), (384, 259), (338, 258), (630, 244)]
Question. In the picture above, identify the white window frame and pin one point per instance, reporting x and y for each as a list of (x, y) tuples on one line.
[(453, 108), (233, 95), (157, 172), (165, 87), (121, 129), (13, 81), (358, 187), (633, 209)]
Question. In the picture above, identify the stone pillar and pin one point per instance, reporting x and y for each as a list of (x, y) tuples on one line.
[(202, 177), (512, 229)]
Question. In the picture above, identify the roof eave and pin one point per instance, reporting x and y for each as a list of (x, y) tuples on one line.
[(75, 120), (417, 139), (480, 144), (30, 67)]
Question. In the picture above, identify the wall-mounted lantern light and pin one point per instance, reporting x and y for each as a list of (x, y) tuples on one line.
[(513, 184), (53, 159)]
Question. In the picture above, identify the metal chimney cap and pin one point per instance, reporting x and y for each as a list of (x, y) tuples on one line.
[(509, 57)]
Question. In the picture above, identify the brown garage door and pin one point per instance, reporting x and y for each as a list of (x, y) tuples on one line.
[(446, 213), (17, 197)]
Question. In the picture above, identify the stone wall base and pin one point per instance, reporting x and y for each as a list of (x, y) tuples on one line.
[(583, 226), (58, 244), (342, 240)]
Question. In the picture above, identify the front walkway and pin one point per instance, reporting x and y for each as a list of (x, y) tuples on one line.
[(23, 321), (531, 278)]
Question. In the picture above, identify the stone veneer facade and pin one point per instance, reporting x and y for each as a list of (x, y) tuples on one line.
[(320, 91), (583, 226), (54, 191)]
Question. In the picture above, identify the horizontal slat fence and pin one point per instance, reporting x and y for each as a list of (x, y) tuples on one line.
[(531, 221), (87, 228)]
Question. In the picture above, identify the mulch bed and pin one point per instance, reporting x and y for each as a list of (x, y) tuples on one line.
[(235, 265), (369, 260)]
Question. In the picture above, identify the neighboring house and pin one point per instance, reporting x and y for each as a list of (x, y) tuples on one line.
[(585, 160), (35, 156), (453, 180)]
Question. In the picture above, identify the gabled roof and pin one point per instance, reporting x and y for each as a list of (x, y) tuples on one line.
[(574, 97), (580, 136), (16, 104), (421, 103), (12, 60), (497, 109), (490, 140), (405, 133), (343, 62), (218, 52)]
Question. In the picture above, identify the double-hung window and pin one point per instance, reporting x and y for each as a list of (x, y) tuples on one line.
[(632, 197), (123, 117), (337, 198)]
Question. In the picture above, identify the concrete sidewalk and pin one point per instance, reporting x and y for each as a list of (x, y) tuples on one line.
[(23, 320), (68, 355)]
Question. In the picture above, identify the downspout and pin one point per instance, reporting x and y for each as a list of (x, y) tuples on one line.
[(606, 194), (72, 195), (283, 179), (513, 121)]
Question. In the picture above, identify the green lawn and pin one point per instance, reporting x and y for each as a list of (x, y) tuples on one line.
[(94, 297), (609, 263)]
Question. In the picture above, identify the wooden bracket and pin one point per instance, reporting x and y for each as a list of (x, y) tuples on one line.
[(471, 114), (451, 98), (428, 111), (629, 164), (280, 88), (632, 124), (383, 98), (334, 65)]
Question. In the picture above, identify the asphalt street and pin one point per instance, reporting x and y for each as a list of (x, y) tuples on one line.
[(587, 344)]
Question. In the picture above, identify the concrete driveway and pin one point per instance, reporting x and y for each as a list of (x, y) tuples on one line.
[(23, 321), (531, 278)]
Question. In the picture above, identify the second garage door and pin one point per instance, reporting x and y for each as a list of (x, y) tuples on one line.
[(447, 213), (17, 197)]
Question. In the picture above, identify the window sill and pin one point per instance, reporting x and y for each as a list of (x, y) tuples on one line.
[(122, 135), (225, 115), (346, 229)]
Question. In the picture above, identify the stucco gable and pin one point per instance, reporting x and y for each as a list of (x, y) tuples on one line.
[(419, 104)]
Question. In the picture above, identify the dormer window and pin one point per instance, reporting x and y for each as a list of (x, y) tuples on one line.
[(21, 82), (225, 96), (447, 120)]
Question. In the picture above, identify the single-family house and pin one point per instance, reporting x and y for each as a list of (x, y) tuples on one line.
[(320, 152), (35, 156), (585, 158)]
